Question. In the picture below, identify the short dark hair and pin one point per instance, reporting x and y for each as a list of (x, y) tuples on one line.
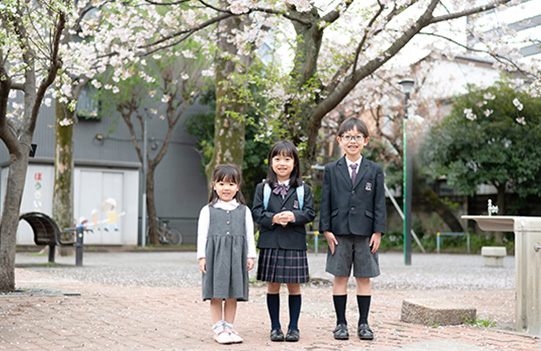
[(226, 173), (286, 148), (350, 124)]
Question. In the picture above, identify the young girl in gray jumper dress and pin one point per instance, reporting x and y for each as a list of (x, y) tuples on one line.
[(226, 251)]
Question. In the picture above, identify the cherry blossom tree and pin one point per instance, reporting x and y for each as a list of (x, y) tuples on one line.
[(142, 84), (67, 92), (330, 56), (30, 36), (334, 46), (159, 93)]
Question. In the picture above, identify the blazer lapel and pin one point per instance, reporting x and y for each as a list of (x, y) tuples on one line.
[(360, 174), (343, 170), (288, 195)]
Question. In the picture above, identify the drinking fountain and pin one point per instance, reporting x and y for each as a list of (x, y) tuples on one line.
[(527, 264)]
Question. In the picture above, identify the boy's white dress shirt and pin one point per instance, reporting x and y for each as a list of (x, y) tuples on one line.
[(349, 163)]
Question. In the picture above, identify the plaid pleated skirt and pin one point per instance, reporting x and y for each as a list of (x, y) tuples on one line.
[(282, 266)]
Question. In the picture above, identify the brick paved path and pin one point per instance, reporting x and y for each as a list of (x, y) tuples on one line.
[(109, 317)]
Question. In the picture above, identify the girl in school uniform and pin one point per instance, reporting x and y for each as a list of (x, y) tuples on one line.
[(226, 251), (282, 206)]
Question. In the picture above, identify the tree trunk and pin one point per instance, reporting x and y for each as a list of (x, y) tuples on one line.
[(151, 205), (18, 143), (230, 122), (63, 168), (10, 214), (308, 46)]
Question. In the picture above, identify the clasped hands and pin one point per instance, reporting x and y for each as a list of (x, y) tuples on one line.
[(283, 218)]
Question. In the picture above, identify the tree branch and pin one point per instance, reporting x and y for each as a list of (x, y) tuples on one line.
[(189, 31), (365, 36), (341, 91), (345, 67), (167, 3), (495, 56), (54, 66), (468, 12), (332, 16), (126, 110)]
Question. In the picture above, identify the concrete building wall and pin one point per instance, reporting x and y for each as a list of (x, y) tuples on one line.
[(106, 144)]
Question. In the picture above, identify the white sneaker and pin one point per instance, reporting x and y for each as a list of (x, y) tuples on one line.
[(223, 337), (235, 337), (220, 334)]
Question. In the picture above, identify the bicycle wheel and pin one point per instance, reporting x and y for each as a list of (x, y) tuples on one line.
[(173, 236)]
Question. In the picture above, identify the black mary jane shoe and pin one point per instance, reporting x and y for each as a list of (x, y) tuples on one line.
[(292, 335), (364, 332), (341, 332), (276, 335)]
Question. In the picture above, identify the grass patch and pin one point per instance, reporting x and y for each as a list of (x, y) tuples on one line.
[(482, 323)]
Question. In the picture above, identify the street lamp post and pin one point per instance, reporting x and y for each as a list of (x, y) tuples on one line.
[(407, 87)]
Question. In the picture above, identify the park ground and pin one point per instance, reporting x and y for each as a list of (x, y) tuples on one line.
[(152, 301)]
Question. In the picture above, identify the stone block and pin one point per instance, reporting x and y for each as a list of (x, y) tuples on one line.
[(433, 311), (493, 255)]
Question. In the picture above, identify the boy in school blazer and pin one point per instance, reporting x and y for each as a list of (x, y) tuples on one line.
[(353, 220)]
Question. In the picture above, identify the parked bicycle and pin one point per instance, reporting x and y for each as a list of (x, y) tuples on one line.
[(166, 234)]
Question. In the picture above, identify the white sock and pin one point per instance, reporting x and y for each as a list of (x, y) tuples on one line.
[(218, 326)]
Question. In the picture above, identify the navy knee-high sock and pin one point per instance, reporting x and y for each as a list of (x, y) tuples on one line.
[(340, 302), (295, 302), (273, 305), (363, 302)]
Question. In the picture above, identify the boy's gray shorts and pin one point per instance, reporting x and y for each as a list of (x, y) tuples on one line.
[(352, 249)]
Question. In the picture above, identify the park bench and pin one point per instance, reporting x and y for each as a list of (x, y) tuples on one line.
[(46, 232)]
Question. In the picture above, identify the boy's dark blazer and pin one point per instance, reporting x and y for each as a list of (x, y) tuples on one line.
[(357, 209), (275, 236)]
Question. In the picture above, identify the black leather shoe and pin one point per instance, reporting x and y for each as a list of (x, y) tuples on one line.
[(277, 335), (341, 332), (292, 335), (364, 332)]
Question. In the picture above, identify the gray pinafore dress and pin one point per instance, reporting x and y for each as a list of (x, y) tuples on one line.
[(226, 253)]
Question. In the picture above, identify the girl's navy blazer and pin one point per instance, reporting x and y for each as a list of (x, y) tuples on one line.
[(357, 209), (275, 236)]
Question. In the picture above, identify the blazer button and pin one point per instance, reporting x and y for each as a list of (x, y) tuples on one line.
[(228, 211), (228, 222), (283, 208), (227, 233), (353, 209), (353, 192)]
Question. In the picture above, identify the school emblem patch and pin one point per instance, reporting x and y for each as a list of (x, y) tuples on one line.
[(368, 186)]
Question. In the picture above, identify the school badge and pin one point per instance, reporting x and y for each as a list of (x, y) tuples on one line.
[(368, 186), (296, 204)]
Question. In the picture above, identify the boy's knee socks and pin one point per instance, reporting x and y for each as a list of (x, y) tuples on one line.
[(273, 305), (295, 302), (363, 302), (340, 302)]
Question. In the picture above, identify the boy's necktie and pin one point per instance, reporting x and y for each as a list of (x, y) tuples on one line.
[(353, 172)]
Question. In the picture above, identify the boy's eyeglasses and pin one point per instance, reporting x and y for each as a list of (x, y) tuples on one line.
[(348, 138)]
